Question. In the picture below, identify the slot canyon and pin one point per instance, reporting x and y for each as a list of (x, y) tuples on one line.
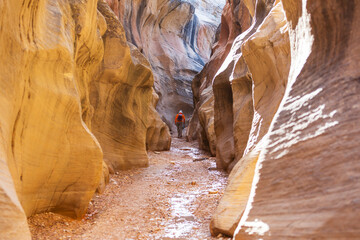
[(89, 147)]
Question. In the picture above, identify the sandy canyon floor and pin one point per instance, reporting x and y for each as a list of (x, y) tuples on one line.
[(174, 198)]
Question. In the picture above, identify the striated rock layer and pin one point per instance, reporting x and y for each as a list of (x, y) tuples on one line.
[(277, 104), (202, 124), (13, 224), (248, 89), (176, 37), (306, 181), (61, 78), (122, 99), (54, 160)]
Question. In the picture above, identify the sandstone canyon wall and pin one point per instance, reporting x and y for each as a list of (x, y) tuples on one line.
[(122, 99), (54, 159), (56, 68), (236, 17), (176, 37), (312, 144), (275, 104)]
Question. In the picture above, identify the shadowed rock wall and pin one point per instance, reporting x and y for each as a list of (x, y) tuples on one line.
[(313, 140), (176, 37), (279, 99), (255, 74), (122, 98), (236, 17)]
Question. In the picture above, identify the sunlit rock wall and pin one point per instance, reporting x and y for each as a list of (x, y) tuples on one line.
[(245, 73), (52, 56), (13, 224), (255, 75), (122, 98), (176, 37), (306, 183), (285, 104), (54, 160)]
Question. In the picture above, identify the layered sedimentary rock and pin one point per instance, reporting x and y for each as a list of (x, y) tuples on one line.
[(52, 56), (231, 207), (306, 183), (254, 75), (54, 160), (176, 37), (283, 98), (236, 18), (122, 99)]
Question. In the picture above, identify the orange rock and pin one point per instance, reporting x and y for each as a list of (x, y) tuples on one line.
[(122, 97)]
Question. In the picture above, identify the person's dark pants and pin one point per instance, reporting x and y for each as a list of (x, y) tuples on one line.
[(179, 129)]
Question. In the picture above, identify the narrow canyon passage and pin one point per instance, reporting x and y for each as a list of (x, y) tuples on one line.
[(174, 198), (89, 88)]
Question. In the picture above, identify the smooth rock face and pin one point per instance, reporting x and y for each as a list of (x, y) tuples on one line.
[(306, 181), (267, 55), (235, 18), (158, 134), (254, 74), (230, 209), (13, 224), (122, 98), (53, 81), (54, 160), (176, 37)]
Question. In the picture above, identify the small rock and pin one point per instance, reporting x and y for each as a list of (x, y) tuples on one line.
[(113, 181), (213, 192)]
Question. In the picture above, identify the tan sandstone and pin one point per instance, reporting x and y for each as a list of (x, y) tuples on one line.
[(52, 53), (122, 99), (306, 181), (54, 159), (257, 68)]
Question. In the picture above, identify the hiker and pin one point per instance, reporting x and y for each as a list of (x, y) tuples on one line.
[(180, 123)]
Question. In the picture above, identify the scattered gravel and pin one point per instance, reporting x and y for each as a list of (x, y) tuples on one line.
[(174, 198)]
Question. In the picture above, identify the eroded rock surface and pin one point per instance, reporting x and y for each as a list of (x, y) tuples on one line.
[(158, 134), (176, 37), (248, 89), (305, 184), (283, 99), (202, 125), (54, 159), (55, 80), (122, 97)]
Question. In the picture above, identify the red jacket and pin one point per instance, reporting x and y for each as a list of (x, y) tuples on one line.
[(183, 118)]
